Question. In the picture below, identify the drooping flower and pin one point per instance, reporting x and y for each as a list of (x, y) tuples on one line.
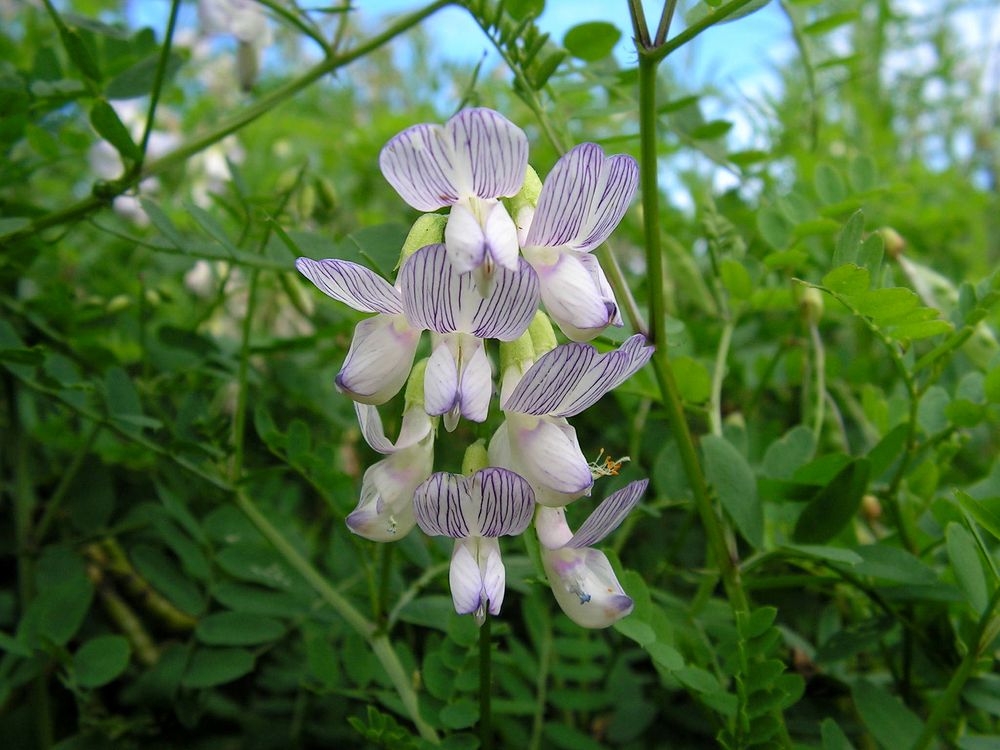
[(536, 439), (475, 511), (382, 350), (385, 510), (580, 204), (469, 163), (436, 296), (244, 20), (582, 579)]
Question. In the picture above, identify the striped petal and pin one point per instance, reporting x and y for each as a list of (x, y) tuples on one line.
[(476, 384), (571, 293), (352, 284), (608, 515), (478, 152), (441, 377), (379, 359), (438, 297), (491, 503), (583, 198), (571, 377), (415, 427)]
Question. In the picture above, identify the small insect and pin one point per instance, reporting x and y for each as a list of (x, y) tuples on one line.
[(609, 467)]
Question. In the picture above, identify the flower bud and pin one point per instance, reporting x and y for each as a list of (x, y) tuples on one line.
[(871, 508), (894, 244), (117, 303), (543, 338), (427, 230), (475, 458), (247, 64), (811, 305)]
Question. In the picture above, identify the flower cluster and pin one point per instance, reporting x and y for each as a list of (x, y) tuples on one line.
[(507, 245)]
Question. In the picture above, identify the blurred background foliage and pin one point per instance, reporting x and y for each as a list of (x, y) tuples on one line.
[(177, 464)]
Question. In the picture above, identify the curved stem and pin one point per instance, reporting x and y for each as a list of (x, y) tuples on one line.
[(820, 354), (718, 374), (161, 72)]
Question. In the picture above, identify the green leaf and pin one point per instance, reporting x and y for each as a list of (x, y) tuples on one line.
[(461, 714), (105, 121), (829, 23), (829, 184), (736, 486), (962, 551), (666, 656), (789, 452), (711, 130), (846, 250), (238, 629), (847, 280), (834, 506), (216, 666), (736, 278), (693, 380), (861, 173), (986, 511), (78, 52), (891, 723), (870, 254), (379, 246), (520, 9), (591, 41), (991, 385), (893, 564), (774, 227), (100, 660), (833, 736), (637, 630)]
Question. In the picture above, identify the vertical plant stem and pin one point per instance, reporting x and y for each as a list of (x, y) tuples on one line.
[(542, 681), (819, 353), (161, 72), (485, 687), (65, 481), (657, 319)]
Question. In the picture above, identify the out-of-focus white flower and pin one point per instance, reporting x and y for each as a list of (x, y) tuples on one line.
[(246, 22)]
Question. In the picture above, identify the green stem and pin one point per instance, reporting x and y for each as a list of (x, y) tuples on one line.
[(657, 319), (55, 502), (718, 374), (260, 107), (161, 72), (541, 681), (819, 352), (664, 26), (485, 687), (944, 706)]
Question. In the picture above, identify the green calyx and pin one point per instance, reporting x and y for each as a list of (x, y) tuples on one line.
[(475, 458), (527, 196), (519, 353), (427, 230), (415, 386), (543, 338)]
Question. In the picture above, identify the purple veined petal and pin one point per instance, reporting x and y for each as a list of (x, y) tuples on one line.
[(583, 198), (464, 239), (585, 586), (476, 385), (420, 165), (550, 379), (494, 576), (441, 377), (439, 298), (490, 153), (414, 428), (571, 293), (506, 502), (607, 373), (379, 359), (549, 453), (465, 578), (509, 309), (442, 506), (608, 515), (551, 527), (352, 284)]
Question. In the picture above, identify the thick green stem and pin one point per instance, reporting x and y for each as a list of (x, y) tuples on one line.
[(485, 685), (657, 319), (262, 106)]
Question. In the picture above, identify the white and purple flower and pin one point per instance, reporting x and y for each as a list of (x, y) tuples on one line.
[(580, 204), (438, 297), (475, 511), (582, 579), (469, 163), (536, 439)]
